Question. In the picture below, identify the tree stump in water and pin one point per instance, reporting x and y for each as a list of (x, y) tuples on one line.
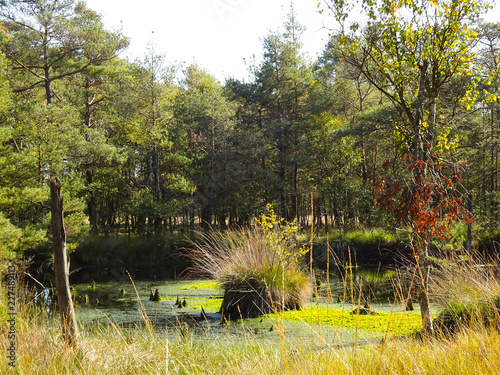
[(155, 296), (247, 301)]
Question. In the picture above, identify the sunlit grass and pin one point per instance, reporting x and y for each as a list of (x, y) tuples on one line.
[(157, 349), (374, 235), (113, 350)]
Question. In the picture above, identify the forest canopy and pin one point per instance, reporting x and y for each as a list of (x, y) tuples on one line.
[(141, 151)]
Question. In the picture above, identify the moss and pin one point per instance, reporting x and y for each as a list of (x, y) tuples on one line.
[(397, 324)]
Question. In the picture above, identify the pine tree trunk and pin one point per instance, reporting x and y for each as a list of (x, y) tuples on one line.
[(68, 316)]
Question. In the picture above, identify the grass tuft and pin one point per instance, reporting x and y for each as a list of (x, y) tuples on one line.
[(254, 278), (258, 267), (468, 289)]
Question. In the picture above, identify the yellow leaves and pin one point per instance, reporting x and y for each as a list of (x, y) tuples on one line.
[(281, 237), (470, 97), (444, 142), (490, 97)]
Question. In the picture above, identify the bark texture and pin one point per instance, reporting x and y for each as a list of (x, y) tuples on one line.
[(68, 316)]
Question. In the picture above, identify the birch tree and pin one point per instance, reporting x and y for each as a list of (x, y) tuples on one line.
[(411, 51)]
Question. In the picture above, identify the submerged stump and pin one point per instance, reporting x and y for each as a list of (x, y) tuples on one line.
[(253, 299), (155, 297)]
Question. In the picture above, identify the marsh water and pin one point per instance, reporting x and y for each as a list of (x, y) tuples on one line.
[(127, 305)]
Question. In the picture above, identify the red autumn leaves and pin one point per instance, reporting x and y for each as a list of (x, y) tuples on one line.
[(426, 202)]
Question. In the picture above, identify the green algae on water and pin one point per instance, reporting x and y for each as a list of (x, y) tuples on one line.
[(211, 306), (212, 285), (394, 323)]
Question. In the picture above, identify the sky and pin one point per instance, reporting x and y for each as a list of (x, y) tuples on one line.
[(218, 35)]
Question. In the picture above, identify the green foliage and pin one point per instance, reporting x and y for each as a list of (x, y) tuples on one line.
[(10, 236), (207, 118), (53, 41), (277, 105)]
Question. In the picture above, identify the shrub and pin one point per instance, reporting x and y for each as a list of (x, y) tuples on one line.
[(258, 267)]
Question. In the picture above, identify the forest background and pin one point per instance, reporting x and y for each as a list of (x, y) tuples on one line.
[(148, 152)]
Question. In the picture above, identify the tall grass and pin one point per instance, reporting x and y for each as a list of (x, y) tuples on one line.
[(468, 288), (101, 350), (145, 349)]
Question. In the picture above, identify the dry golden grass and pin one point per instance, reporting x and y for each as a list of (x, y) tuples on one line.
[(104, 350), (109, 349)]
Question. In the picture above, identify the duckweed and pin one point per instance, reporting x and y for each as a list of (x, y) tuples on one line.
[(206, 285), (396, 323), (211, 305)]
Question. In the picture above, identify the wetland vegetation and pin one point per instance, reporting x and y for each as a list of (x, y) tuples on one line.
[(380, 158), (125, 332)]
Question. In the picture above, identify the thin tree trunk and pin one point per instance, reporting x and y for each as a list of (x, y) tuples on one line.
[(423, 259), (425, 270), (91, 206), (212, 179), (68, 316), (282, 173)]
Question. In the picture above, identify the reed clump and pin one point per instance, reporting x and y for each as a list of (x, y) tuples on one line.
[(467, 286), (259, 267)]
